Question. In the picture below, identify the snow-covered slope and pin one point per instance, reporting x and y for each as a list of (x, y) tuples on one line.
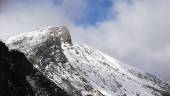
[(82, 70)]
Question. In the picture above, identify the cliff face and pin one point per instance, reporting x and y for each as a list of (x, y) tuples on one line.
[(19, 78), (14, 68)]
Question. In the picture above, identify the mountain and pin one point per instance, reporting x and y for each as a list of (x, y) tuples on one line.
[(16, 72), (80, 70), (12, 76)]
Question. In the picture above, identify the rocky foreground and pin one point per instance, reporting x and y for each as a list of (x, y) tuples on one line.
[(17, 74)]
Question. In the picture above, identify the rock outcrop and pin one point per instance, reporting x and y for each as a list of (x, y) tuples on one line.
[(18, 77), (14, 69), (62, 33)]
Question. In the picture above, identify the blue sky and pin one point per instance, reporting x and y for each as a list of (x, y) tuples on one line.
[(133, 31), (96, 12)]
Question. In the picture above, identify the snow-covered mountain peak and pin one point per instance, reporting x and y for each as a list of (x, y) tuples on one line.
[(81, 70), (38, 36), (44, 36)]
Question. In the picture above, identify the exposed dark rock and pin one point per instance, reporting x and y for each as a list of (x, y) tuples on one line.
[(4, 70), (62, 33), (19, 78), (163, 93)]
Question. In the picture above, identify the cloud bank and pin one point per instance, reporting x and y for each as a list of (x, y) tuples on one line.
[(133, 31)]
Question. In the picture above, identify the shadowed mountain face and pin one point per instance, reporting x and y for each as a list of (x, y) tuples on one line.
[(19, 78)]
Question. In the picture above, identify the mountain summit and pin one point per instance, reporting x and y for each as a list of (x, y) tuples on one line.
[(81, 70), (61, 33)]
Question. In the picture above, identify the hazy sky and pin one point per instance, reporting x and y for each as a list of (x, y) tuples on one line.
[(136, 32)]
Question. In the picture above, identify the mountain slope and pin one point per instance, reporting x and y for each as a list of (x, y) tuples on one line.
[(82, 70), (18, 77)]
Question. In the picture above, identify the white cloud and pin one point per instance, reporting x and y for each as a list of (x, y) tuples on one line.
[(20, 16), (139, 35)]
